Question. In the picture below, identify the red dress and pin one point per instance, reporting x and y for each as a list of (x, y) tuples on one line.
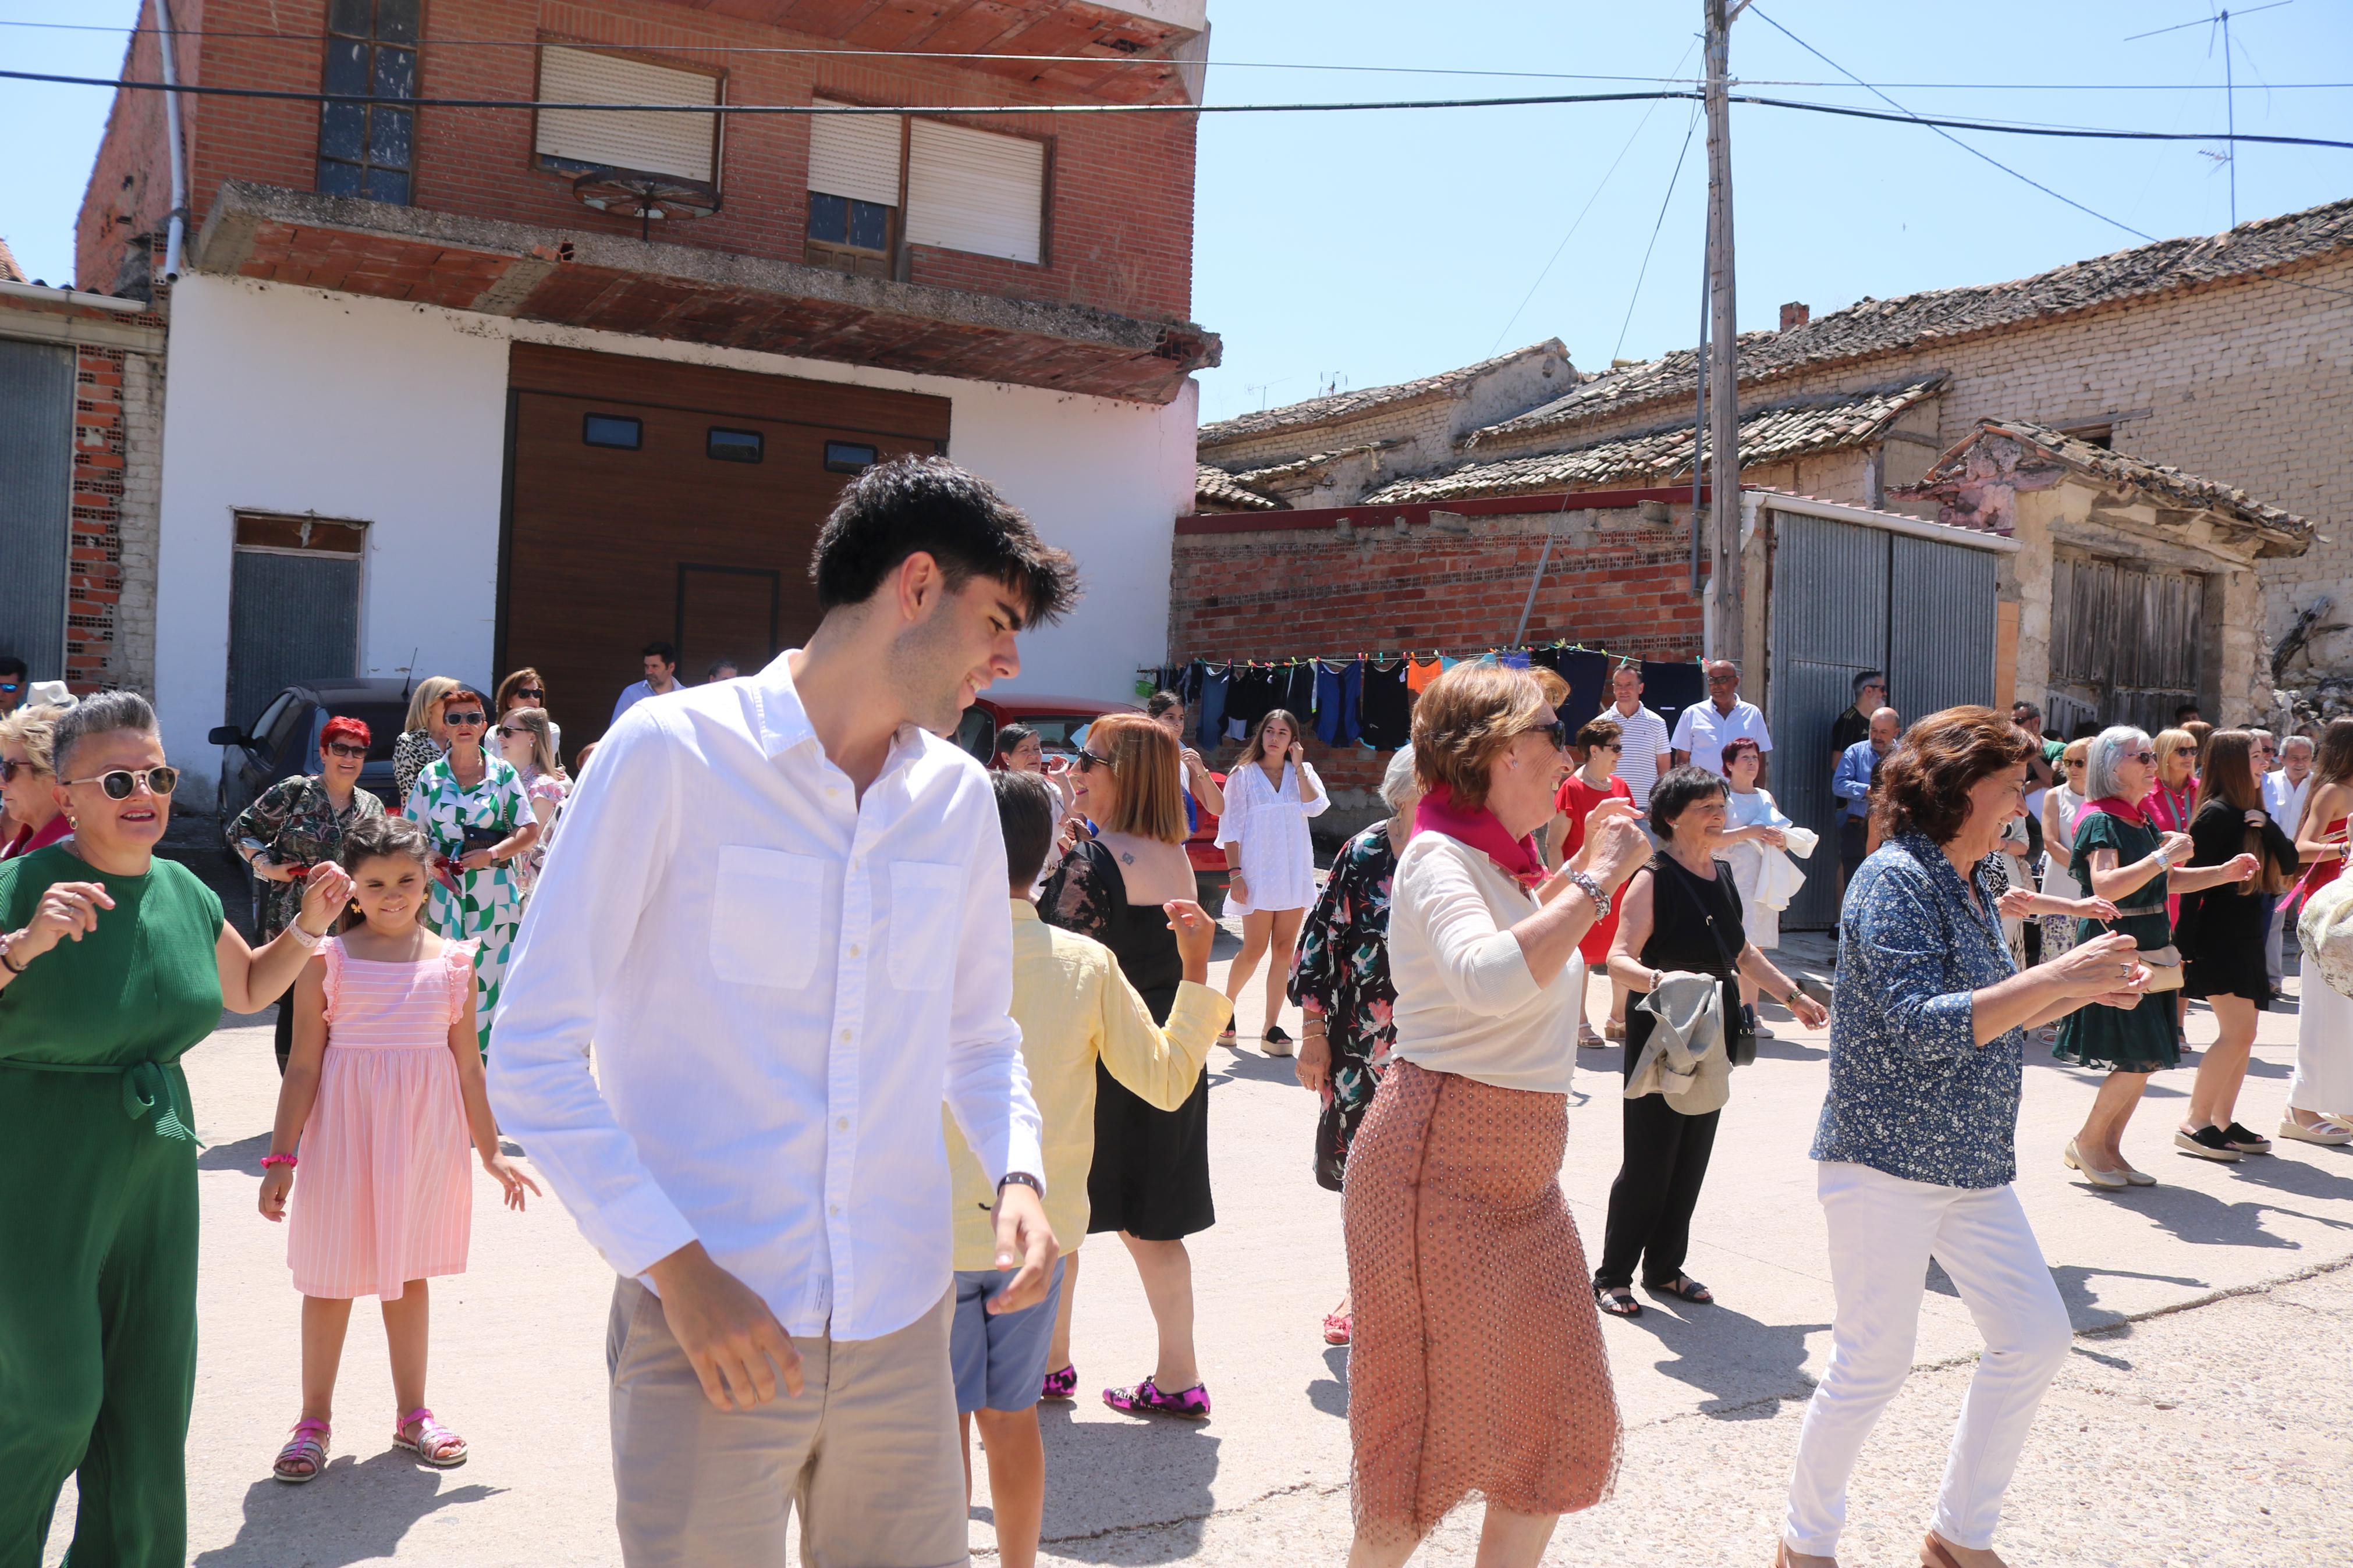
[(1577, 798)]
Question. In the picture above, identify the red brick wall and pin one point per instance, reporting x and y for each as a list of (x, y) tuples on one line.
[(94, 579), (129, 191), (1119, 228), (1285, 593)]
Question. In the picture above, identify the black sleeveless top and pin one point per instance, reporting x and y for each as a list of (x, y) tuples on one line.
[(1695, 927)]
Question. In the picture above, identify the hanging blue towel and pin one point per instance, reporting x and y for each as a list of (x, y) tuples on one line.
[(1336, 689)]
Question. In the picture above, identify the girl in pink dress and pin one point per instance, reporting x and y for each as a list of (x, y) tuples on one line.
[(383, 1094)]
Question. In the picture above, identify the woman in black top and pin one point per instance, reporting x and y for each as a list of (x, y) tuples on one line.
[(1682, 912), (2221, 935), (1150, 1180)]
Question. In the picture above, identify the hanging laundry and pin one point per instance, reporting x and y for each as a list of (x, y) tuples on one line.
[(1588, 674), (1252, 692), (1385, 705), (1513, 658), (1297, 681), (1337, 689), (1208, 699), (1421, 672)]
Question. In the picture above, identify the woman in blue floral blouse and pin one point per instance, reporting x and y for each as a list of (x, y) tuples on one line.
[(1915, 1144), (1340, 982)]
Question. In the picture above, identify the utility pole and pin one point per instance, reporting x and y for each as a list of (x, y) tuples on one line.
[(1722, 367)]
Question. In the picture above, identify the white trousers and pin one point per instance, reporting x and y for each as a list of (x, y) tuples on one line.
[(2324, 1048), (1882, 1231)]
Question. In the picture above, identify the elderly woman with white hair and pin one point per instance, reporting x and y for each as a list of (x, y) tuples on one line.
[(1340, 982), (2121, 855)]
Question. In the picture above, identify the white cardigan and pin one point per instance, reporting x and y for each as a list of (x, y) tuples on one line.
[(1466, 1003)]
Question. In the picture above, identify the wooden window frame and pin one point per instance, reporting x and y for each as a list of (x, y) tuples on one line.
[(327, 35)]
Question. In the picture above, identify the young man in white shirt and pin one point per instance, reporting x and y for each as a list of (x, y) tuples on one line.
[(1644, 753), (1704, 729), (777, 911)]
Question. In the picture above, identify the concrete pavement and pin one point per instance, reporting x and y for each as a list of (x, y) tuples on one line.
[(2204, 1418)]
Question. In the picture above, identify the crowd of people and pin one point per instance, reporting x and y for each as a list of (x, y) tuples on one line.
[(800, 929)]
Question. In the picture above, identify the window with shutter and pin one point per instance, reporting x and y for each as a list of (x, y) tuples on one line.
[(685, 146), (853, 184), (975, 191)]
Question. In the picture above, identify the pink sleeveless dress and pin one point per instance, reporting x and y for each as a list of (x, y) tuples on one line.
[(384, 1194)]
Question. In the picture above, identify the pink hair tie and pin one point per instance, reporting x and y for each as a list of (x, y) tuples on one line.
[(287, 1160)]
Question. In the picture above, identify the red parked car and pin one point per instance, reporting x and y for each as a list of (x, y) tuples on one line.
[(1057, 719)]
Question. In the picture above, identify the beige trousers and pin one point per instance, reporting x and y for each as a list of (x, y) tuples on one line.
[(866, 1454)]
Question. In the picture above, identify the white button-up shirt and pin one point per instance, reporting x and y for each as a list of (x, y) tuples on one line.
[(1702, 732), (2285, 801), (781, 981)]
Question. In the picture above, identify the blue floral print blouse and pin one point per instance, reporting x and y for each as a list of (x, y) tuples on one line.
[(1912, 1092)]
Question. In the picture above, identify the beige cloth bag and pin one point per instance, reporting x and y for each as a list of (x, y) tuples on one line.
[(1684, 1058)]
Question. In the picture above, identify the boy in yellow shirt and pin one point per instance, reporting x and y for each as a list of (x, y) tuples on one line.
[(1075, 1008)]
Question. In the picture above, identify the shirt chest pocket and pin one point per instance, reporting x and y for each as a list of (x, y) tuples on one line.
[(766, 907), (926, 897)]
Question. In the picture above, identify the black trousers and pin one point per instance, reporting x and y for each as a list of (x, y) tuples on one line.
[(1658, 1184)]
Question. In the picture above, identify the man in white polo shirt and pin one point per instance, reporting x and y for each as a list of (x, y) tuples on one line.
[(1641, 733), (1704, 729)]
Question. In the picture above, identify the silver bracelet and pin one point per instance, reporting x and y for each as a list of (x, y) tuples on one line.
[(1585, 884)]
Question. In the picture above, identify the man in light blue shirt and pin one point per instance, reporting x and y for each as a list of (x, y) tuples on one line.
[(661, 679), (1857, 765)]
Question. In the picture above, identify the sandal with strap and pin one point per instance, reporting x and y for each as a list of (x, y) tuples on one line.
[(434, 1444), (308, 1445), (1146, 1398), (1617, 1300), (1339, 1328), (1062, 1384), (1683, 1287)]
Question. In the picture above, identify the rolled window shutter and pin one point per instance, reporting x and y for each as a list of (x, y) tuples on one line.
[(855, 155), (975, 191), (679, 144)]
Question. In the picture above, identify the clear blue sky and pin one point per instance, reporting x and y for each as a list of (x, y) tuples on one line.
[(1374, 247)]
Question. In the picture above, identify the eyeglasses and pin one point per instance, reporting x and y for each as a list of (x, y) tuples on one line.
[(508, 733), (11, 766), (10, 686), (1724, 680), (2144, 757), (533, 693), (1557, 732), (2073, 763), (119, 784), (345, 749), (1088, 762), (467, 720)]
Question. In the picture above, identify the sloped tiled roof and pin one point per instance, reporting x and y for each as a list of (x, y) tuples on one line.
[(1356, 404), (1877, 326), (9, 272), (1215, 487), (1817, 424), (2282, 532)]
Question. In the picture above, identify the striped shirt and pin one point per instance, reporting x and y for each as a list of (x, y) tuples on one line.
[(1643, 736)]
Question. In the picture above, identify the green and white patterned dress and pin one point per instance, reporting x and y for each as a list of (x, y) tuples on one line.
[(487, 907)]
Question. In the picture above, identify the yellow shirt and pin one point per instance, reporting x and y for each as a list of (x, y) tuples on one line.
[(1074, 1007)]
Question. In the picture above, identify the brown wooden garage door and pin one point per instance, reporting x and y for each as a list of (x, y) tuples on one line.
[(650, 501)]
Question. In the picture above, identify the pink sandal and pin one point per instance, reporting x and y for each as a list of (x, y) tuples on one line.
[(308, 1445), (434, 1444), (1062, 1384), (1338, 1327), (1145, 1399)]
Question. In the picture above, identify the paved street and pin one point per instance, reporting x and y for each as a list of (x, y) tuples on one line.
[(2206, 1417)]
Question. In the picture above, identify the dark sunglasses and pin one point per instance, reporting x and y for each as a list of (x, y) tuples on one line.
[(507, 733), (10, 686), (346, 749), (2144, 756), (1557, 732), (530, 691), (470, 717), (119, 784), (10, 767), (1088, 762)]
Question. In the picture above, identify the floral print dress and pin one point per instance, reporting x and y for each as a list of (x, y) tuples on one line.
[(1341, 973), (484, 906), (299, 825)]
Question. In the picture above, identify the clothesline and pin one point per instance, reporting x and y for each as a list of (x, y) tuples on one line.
[(1562, 645)]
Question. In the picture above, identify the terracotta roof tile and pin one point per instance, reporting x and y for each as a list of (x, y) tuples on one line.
[(1361, 401), (1215, 487)]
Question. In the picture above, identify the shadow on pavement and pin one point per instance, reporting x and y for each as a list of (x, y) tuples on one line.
[(355, 1511), (241, 1155), (1745, 1366), (1330, 1395), (1155, 1478), (1251, 1065)]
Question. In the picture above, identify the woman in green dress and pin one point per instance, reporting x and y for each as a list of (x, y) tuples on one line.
[(476, 810), (2123, 857), (113, 964)]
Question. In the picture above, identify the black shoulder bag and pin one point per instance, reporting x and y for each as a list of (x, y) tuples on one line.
[(1739, 1017)]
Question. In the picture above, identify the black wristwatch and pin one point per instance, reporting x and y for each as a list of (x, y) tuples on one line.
[(1021, 1179)]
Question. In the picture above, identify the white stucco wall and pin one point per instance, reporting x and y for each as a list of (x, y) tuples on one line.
[(293, 400)]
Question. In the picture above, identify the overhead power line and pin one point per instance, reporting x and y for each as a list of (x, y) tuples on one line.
[(2083, 132)]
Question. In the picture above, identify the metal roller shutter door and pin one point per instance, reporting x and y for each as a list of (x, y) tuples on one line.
[(36, 415)]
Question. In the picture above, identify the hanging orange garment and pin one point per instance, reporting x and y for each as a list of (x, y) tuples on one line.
[(1421, 672)]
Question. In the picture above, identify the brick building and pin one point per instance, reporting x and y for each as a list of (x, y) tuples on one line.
[(2227, 360), (563, 381)]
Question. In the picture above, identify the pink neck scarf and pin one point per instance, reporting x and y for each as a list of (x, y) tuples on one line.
[(1482, 831)]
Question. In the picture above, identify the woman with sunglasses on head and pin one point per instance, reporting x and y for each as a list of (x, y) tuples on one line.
[(1271, 793), (28, 795), (1150, 1179), (298, 823), (524, 689), (113, 964), (474, 807), (421, 738), (2122, 857)]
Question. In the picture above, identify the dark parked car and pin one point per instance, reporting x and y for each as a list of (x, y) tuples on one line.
[(285, 739)]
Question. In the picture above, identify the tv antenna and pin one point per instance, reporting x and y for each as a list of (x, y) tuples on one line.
[(2219, 23)]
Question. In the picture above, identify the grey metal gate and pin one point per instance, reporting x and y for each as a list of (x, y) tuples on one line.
[(2126, 643), (294, 617), (36, 416), (1848, 597)]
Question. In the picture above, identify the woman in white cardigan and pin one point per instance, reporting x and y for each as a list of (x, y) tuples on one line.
[(1269, 859), (1464, 1265)]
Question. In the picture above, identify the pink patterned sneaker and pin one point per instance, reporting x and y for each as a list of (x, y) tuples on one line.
[(1145, 1399), (1062, 1384)]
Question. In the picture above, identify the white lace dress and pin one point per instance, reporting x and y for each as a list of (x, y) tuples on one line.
[(1278, 858)]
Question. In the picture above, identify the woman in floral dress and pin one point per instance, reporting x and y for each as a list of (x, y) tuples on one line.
[(474, 807), (1340, 982), (296, 822)]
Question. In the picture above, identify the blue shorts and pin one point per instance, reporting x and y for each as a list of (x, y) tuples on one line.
[(999, 1361)]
